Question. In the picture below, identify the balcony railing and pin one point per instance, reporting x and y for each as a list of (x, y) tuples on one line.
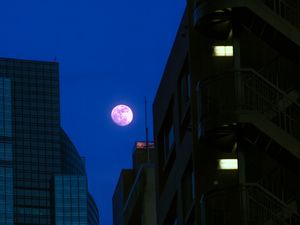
[(262, 96), (289, 10), (245, 204), (278, 182), (226, 96)]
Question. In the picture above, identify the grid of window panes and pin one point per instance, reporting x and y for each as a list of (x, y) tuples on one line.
[(70, 200), (5, 121), (5, 152), (6, 196), (36, 135), (5, 107), (31, 150), (6, 170), (72, 162), (93, 213)]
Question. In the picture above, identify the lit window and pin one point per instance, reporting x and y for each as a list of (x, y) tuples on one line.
[(228, 164), (223, 51)]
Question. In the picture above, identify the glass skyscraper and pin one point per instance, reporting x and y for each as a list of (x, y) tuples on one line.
[(42, 175)]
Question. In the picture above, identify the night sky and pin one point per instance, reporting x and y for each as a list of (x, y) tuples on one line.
[(109, 52)]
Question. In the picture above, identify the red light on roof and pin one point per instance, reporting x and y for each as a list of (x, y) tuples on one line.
[(140, 145), (143, 145)]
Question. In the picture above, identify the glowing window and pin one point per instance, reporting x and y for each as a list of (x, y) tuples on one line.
[(223, 51), (228, 164)]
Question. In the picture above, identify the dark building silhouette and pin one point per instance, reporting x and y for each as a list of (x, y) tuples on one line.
[(42, 176), (134, 199), (227, 116)]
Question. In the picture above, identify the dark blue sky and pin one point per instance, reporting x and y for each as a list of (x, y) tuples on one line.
[(109, 52)]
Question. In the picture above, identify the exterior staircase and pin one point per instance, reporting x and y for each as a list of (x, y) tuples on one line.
[(247, 97), (249, 204), (246, 104)]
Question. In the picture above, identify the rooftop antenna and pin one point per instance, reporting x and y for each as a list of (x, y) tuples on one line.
[(147, 132)]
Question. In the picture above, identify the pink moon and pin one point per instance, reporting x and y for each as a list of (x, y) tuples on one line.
[(122, 115)]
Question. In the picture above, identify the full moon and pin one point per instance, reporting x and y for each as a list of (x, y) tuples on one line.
[(122, 115)]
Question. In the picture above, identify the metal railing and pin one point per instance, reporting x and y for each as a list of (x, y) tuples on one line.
[(278, 182), (264, 208), (289, 10), (262, 96), (247, 90), (245, 204)]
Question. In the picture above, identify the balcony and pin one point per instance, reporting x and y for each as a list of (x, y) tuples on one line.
[(288, 10), (245, 96), (248, 204)]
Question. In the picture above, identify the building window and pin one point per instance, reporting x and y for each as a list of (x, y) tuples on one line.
[(223, 50), (6, 196), (199, 111), (193, 184), (6, 171), (169, 141), (166, 147), (228, 164), (168, 134), (6, 151), (5, 107), (185, 87), (70, 199), (188, 189)]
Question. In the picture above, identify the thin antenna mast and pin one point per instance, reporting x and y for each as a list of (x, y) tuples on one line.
[(146, 129)]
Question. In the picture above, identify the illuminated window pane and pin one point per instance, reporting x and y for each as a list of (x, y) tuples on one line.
[(229, 50), (223, 51), (228, 164)]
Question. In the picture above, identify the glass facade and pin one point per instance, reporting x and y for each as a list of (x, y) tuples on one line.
[(33, 146), (72, 162), (5, 107), (6, 170), (6, 195), (93, 213), (70, 200)]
